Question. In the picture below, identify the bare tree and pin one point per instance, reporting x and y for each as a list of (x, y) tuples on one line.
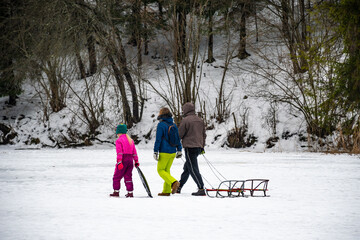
[(105, 19), (89, 104), (223, 101), (293, 15), (183, 76), (310, 92)]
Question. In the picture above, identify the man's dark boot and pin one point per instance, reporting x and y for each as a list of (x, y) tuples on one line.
[(200, 192)]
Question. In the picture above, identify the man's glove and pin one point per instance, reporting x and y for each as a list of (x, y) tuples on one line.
[(137, 164), (120, 165), (178, 154), (202, 151), (156, 156)]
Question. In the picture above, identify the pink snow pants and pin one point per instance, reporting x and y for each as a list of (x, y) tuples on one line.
[(125, 172)]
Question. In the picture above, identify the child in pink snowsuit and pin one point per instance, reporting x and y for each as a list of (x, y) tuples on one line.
[(126, 154)]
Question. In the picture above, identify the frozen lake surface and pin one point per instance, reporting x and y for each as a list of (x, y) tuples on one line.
[(63, 194)]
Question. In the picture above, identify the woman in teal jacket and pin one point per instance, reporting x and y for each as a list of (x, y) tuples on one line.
[(165, 153)]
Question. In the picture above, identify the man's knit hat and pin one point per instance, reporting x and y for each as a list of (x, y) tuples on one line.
[(121, 129)]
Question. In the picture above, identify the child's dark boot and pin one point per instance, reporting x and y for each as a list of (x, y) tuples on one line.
[(129, 195), (115, 194)]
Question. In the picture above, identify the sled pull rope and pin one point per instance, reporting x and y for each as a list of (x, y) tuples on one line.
[(200, 174), (212, 167)]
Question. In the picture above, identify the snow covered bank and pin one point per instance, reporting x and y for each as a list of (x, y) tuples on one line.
[(63, 194)]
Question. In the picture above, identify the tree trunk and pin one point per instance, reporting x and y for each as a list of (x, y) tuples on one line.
[(242, 48), (138, 30), (121, 85), (304, 46), (12, 100), (135, 22), (210, 58), (256, 24), (146, 35), (289, 35), (139, 56), (180, 36), (13, 86), (80, 65), (92, 54), (56, 98), (303, 23), (187, 91), (160, 6), (123, 65), (146, 44)]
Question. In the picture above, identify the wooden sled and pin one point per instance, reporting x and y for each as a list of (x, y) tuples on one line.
[(238, 188)]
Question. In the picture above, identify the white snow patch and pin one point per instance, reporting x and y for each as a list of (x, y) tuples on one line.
[(63, 194)]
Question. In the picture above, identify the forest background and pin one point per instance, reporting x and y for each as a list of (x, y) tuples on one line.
[(259, 72)]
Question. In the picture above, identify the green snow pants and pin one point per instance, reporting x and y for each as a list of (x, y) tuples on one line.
[(163, 168)]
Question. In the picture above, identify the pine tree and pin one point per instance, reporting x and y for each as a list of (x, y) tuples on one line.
[(347, 13), (10, 28)]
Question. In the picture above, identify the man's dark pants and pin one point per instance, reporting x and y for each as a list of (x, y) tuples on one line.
[(191, 167)]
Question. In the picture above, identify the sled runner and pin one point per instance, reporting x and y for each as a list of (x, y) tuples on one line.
[(144, 182), (238, 188)]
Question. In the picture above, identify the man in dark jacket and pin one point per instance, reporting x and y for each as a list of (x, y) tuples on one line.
[(192, 134)]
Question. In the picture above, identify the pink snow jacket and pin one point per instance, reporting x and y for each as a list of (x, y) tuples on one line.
[(125, 145)]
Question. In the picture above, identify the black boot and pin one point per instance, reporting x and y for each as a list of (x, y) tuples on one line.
[(200, 192)]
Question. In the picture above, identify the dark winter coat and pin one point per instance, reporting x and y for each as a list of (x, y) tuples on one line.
[(161, 144), (192, 128)]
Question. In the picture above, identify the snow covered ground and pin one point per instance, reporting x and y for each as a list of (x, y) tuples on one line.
[(63, 194)]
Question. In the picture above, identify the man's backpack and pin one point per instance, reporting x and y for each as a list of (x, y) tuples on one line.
[(172, 135)]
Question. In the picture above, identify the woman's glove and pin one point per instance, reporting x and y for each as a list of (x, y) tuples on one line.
[(178, 154), (137, 164), (156, 156)]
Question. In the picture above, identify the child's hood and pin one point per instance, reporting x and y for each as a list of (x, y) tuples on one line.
[(127, 144)]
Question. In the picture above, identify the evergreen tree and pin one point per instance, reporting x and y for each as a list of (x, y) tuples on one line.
[(347, 13), (11, 30)]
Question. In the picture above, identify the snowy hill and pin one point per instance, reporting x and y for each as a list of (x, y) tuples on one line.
[(26, 119), (262, 125), (37, 127)]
